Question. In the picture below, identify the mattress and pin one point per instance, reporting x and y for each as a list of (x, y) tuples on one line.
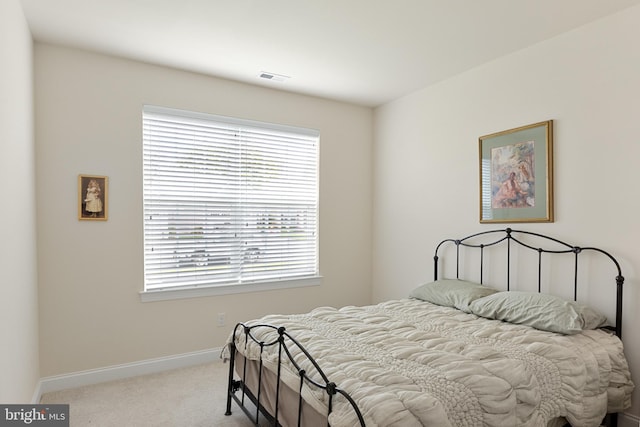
[(411, 363)]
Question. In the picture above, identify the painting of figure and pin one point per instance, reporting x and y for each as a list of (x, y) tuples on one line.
[(513, 176), (92, 197)]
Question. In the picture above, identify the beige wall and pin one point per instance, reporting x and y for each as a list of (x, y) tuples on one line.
[(19, 370), (426, 157), (88, 120)]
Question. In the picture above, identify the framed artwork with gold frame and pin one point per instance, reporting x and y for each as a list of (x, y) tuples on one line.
[(516, 174), (93, 200)]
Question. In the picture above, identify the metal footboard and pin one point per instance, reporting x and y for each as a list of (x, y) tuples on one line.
[(239, 391)]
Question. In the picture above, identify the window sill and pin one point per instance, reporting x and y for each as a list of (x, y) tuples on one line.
[(205, 291)]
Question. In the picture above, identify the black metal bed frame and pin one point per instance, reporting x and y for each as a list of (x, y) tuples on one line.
[(284, 341)]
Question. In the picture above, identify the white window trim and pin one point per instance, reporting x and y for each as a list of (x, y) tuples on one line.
[(183, 292)]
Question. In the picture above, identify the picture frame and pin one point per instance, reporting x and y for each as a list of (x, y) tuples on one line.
[(516, 174), (93, 197)]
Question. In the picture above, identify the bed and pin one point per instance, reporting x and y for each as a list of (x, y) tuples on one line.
[(459, 351)]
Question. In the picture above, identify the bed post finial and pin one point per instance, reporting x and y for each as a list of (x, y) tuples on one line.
[(435, 267), (331, 388)]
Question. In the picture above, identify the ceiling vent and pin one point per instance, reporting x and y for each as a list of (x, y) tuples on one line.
[(273, 76)]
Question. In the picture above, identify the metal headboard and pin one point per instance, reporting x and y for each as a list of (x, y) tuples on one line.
[(508, 235)]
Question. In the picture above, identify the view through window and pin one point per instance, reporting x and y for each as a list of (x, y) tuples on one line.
[(227, 201)]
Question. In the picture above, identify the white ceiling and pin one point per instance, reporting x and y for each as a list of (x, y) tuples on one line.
[(366, 52)]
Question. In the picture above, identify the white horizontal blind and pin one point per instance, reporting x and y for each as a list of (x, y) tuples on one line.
[(227, 201)]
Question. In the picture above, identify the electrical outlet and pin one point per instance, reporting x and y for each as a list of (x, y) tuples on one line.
[(222, 318)]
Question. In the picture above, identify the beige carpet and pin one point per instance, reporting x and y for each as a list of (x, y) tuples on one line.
[(187, 397)]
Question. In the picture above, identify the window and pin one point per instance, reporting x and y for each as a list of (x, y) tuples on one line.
[(227, 201)]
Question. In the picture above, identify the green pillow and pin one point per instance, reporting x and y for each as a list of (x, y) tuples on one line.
[(451, 293), (540, 311)]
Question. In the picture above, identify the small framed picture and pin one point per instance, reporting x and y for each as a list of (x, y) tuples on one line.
[(516, 174), (93, 201)]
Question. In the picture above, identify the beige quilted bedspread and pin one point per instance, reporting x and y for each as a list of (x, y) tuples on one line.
[(410, 363)]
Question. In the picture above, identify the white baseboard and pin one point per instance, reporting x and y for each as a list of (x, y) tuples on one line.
[(37, 393), (628, 420), (127, 370)]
